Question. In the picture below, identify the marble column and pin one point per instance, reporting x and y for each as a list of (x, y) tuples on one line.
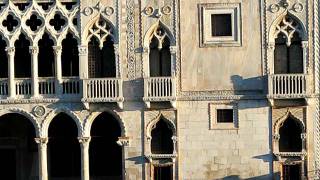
[(42, 151), (83, 62), (84, 144), (11, 89), (58, 68), (34, 51)]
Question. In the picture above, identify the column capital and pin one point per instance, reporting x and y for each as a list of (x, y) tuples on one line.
[(10, 50), (34, 49), (57, 49), (84, 140), (304, 44), (271, 46), (116, 49), (173, 49), (41, 140), (123, 141), (83, 49)]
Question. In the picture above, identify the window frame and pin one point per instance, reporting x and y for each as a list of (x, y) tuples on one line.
[(209, 9), (213, 112)]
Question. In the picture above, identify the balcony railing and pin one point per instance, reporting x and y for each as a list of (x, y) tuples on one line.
[(23, 87), (159, 89), (4, 87), (288, 86), (47, 86)]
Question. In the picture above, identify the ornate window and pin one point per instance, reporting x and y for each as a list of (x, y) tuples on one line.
[(161, 138), (223, 116), (290, 136), (3, 60), (159, 56), (101, 51), (288, 53)]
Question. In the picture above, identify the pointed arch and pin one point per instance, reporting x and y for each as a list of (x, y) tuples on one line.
[(161, 116), (274, 28), (46, 60), (103, 25), (153, 30), (22, 58), (279, 123)]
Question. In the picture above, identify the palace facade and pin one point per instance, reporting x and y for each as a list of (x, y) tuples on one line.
[(159, 89)]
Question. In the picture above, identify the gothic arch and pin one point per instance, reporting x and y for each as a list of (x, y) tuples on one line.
[(26, 114), (152, 32), (63, 36), (51, 36), (90, 119), (112, 32), (278, 124), (165, 117), (54, 113), (300, 28)]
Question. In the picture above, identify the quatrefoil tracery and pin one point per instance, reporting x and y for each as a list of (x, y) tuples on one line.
[(34, 19), (160, 35)]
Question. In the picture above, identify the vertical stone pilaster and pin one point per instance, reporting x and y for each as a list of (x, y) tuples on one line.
[(58, 68), (84, 144), (12, 89), (34, 51), (83, 61), (42, 151)]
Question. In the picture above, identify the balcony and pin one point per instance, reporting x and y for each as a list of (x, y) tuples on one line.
[(288, 86), (69, 88), (159, 89)]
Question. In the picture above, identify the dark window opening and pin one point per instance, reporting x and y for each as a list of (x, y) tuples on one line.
[(163, 173), (160, 58), (290, 136), (45, 6), (18, 150), (291, 172), (70, 56), (3, 60), (224, 115), (288, 59), (221, 25), (105, 154), (64, 148), (69, 5), (57, 22), (33, 22), (22, 58), (10, 23), (101, 61), (21, 6), (46, 57), (161, 142)]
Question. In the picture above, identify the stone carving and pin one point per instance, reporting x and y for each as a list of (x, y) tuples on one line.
[(297, 7), (39, 111), (87, 11), (274, 8), (130, 39), (123, 141)]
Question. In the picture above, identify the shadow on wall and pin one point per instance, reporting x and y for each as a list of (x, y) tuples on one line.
[(263, 177), (249, 84)]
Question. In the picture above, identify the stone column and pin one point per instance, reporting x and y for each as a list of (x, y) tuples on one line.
[(84, 144), (270, 61), (12, 89), (83, 62), (304, 45), (173, 52), (34, 51), (58, 68), (42, 151)]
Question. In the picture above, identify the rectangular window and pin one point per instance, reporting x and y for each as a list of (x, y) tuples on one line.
[(221, 25), (224, 115), (163, 173)]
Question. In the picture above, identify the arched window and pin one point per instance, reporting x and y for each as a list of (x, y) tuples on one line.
[(63, 148), (161, 138), (45, 57), (288, 54), (18, 150), (104, 152), (101, 61), (22, 58), (3, 60), (290, 136), (160, 56), (70, 56)]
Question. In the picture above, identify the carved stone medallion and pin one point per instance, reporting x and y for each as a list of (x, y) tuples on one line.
[(39, 111)]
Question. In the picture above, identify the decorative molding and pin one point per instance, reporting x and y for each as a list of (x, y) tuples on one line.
[(123, 141), (39, 111), (131, 59)]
